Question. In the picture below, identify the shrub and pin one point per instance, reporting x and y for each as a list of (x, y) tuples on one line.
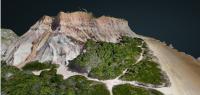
[(48, 83), (127, 89), (36, 65), (145, 71), (81, 86)]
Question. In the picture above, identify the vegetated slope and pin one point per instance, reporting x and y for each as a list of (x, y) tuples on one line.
[(106, 61)]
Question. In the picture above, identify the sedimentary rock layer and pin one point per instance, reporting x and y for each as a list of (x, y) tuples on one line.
[(59, 39)]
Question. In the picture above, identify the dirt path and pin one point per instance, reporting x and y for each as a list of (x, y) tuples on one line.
[(183, 71)]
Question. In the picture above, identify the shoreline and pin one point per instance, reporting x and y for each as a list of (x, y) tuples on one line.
[(182, 70)]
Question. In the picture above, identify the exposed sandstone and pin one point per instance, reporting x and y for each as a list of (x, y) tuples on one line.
[(60, 38)]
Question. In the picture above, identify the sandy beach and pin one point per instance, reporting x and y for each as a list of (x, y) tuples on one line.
[(182, 70)]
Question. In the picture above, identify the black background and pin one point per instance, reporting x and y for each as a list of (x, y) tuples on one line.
[(172, 21)]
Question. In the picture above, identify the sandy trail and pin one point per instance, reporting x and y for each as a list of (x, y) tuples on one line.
[(182, 70)]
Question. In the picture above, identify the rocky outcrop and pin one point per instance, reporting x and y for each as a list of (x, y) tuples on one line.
[(59, 39), (7, 38)]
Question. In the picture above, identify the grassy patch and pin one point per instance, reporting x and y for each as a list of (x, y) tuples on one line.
[(105, 60), (145, 71), (127, 89)]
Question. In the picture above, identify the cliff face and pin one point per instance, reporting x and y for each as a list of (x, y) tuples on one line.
[(59, 39), (7, 37)]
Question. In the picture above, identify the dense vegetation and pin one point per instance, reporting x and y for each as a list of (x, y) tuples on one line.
[(36, 65), (17, 82), (79, 85), (100, 60), (146, 71), (105, 60), (127, 89)]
